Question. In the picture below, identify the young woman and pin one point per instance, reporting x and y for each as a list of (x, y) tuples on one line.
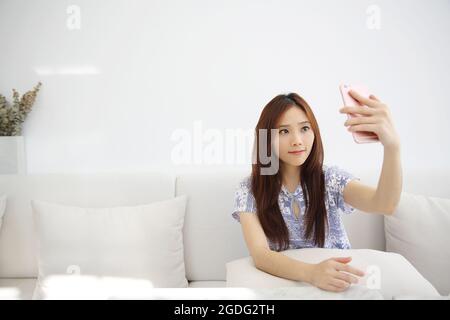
[(299, 205)]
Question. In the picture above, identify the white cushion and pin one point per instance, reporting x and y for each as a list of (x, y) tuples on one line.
[(2, 208), (141, 242), (388, 274), (419, 230)]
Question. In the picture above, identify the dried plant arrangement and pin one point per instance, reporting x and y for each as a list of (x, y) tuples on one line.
[(12, 115)]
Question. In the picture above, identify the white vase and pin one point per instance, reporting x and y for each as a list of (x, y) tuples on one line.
[(12, 155)]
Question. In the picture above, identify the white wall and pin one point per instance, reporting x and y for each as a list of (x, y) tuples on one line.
[(115, 90)]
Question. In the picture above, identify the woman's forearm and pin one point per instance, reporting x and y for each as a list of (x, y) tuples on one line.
[(280, 265), (390, 183)]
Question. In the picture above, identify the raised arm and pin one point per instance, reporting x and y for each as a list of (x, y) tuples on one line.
[(378, 119)]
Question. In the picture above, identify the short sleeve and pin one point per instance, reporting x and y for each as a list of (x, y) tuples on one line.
[(243, 199), (337, 179)]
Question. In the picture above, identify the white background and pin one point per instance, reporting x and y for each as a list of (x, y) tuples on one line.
[(115, 90)]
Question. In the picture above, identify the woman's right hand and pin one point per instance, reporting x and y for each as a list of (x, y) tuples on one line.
[(334, 274)]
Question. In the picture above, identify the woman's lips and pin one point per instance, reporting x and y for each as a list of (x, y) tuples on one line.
[(296, 152)]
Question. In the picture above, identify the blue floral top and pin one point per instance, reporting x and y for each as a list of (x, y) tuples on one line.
[(335, 181)]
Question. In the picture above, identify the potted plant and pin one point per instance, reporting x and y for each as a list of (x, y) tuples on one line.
[(12, 116)]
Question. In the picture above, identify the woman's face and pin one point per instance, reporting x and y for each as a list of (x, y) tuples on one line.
[(294, 134)]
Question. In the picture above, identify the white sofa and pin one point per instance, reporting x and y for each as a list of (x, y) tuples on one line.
[(211, 237)]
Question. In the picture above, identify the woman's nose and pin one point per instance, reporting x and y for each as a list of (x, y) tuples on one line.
[(296, 139)]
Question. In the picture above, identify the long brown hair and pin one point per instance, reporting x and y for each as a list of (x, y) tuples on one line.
[(266, 188)]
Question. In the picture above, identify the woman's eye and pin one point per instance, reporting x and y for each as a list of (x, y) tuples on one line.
[(283, 131), (306, 128)]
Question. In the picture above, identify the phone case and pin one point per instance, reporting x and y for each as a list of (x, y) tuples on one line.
[(358, 136)]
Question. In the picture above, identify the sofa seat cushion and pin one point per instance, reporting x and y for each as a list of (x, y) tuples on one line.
[(207, 284), (17, 288)]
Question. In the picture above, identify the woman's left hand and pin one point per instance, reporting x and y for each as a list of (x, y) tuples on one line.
[(376, 118)]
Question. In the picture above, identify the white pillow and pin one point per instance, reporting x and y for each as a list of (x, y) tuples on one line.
[(2, 208), (386, 273), (419, 230), (140, 242)]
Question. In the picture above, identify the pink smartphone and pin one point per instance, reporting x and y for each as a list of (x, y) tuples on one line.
[(358, 136)]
